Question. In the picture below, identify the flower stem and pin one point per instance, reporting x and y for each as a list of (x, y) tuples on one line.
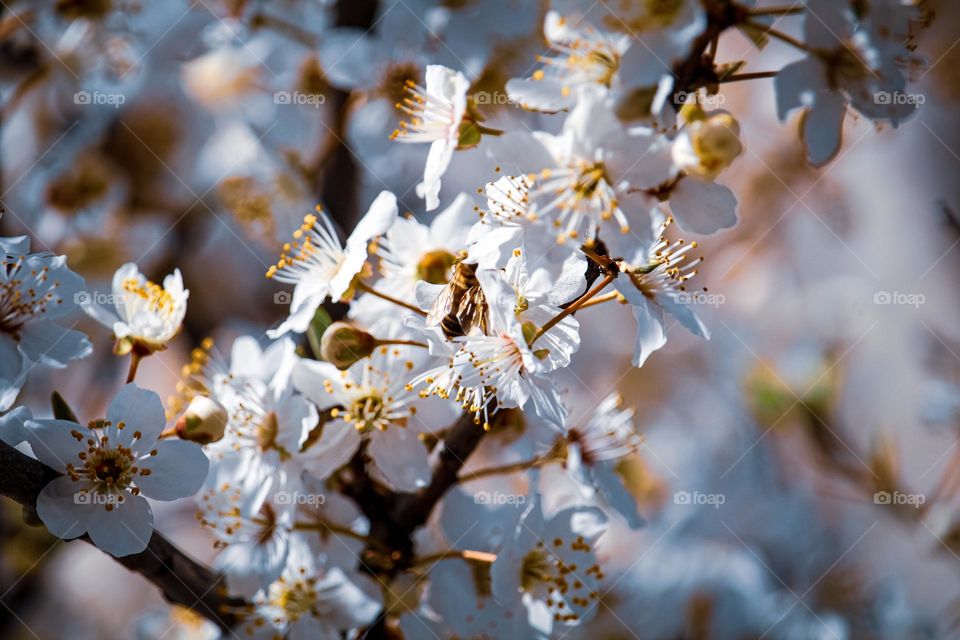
[(552, 322), (135, 359), (412, 343), (514, 467), (740, 77), (466, 554), (607, 297), (365, 287), (336, 529), (487, 131)]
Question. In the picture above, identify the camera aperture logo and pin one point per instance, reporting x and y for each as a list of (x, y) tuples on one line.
[(898, 498), (699, 498), (286, 498)]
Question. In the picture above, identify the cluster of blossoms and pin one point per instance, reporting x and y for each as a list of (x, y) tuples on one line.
[(467, 316)]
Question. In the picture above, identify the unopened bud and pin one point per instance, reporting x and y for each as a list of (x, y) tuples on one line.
[(708, 145), (203, 422), (344, 344)]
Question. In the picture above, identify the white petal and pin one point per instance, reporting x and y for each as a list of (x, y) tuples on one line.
[(59, 510), (308, 378), (650, 332), (124, 530), (337, 444), (141, 411), (379, 217), (52, 443), (703, 207), (822, 128), (441, 152), (46, 341), (177, 471), (401, 457)]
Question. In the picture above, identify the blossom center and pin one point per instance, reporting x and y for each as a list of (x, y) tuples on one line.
[(367, 413), (295, 599), (266, 432), (435, 266), (23, 296), (156, 297)]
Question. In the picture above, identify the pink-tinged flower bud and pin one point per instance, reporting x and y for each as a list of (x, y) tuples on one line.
[(344, 344), (203, 422)]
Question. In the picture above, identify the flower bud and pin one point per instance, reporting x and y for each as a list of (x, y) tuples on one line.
[(707, 145), (203, 422), (344, 344)]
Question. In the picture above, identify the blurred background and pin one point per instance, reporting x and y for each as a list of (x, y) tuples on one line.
[(804, 461)]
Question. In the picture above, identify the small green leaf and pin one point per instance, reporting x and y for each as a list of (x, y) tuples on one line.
[(321, 320), (61, 410)]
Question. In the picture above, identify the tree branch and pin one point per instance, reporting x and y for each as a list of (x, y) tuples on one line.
[(181, 579)]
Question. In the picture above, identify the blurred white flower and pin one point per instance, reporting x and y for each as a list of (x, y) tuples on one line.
[(35, 290), (551, 565)]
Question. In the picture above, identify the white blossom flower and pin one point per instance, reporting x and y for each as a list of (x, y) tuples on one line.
[(372, 401), (436, 112), (594, 449), (653, 282), (249, 524), (592, 179), (320, 267), (511, 224), (583, 55), (499, 365), (307, 602), (538, 299), (411, 251), (551, 565), (107, 465), (36, 289), (145, 316)]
